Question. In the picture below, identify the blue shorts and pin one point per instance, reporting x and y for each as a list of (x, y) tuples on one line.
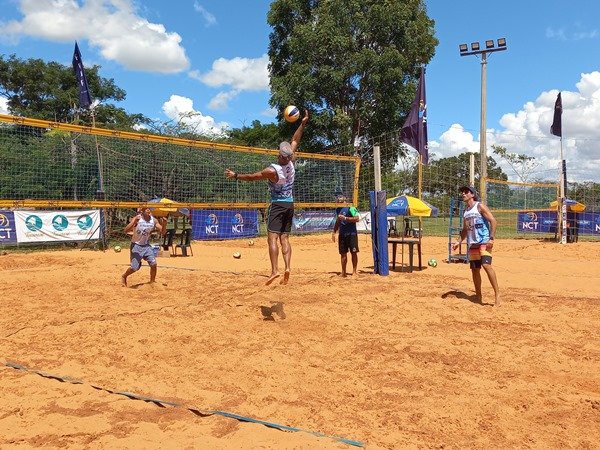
[(139, 252)]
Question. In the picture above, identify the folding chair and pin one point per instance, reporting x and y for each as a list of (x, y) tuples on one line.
[(185, 243), (392, 230), (408, 229), (167, 242)]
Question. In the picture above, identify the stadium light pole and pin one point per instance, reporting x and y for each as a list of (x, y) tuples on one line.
[(490, 47)]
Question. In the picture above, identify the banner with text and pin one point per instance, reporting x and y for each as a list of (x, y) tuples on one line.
[(313, 221), (56, 226), (8, 229), (215, 224), (546, 222)]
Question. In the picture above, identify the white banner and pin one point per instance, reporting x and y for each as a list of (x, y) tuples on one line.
[(55, 226), (364, 224)]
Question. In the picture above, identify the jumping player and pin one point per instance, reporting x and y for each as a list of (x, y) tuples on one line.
[(280, 177)]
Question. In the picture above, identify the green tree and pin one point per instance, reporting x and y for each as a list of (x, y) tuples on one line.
[(257, 135), (522, 165), (49, 91), (353, 63)]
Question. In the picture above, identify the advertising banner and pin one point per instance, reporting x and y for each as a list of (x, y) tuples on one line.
[(537, 222), (546, 222), (8, 232), (214, 224), (313, 221), (57, 226), (588, 223)]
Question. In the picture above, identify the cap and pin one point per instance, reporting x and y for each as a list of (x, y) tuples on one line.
[(472, 190), (285, 149)]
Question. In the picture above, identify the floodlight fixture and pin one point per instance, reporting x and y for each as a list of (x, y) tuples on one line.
[(483, 52)]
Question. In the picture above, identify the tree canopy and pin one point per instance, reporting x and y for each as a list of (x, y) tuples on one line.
[(353, 63), (49, 91)]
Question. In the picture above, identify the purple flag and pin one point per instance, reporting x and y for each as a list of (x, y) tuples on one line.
[(85, 99), (414, 131), (556, 128)]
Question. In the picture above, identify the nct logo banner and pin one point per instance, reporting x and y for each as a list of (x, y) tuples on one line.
[(546, 222), (8, 229), (214, 224)]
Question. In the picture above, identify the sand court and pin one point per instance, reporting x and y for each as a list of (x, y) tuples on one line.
[(407, 360)]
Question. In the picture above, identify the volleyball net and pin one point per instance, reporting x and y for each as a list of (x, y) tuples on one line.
[(49, 165)]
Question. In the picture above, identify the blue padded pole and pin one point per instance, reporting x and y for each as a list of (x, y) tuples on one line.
[(379, 232)]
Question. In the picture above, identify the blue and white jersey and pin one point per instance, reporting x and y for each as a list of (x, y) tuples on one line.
[(281, 191), (142, 231), (478, 231)]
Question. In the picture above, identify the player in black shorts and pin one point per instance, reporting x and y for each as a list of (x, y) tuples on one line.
[(347, 217), (280, 177)]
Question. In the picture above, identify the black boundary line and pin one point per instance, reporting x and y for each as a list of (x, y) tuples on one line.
[(164, 404)]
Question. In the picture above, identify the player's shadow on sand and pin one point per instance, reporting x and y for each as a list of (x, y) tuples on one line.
[(146, 285), (267, 311), (463, 296)]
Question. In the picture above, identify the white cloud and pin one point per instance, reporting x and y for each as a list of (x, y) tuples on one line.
[(181, 110), (221, 101), (241, 74), (269, 112), (3, 106), (561, 34), (244, 74), (209, 19), (527, 132), (113, 26)]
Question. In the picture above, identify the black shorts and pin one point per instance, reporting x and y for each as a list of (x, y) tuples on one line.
[(348, 243), (280, 217)]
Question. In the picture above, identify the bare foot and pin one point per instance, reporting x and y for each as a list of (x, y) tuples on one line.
[(123, 281), (344, 274), (498, 302), (272, 278), (286, 277)]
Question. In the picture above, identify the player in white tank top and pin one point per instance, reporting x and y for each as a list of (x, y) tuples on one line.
[(479, 228), (280, 178), (142, 226)]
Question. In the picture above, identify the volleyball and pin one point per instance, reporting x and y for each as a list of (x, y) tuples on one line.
[(432, 263), (291, 113), (237, 255), (117, 248)]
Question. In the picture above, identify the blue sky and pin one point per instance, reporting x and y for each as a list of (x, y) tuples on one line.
[(209, 57)]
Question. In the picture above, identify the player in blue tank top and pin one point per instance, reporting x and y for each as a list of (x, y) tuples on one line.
[(280, 177), (479, 229)]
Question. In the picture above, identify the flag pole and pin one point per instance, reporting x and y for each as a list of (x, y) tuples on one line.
[(563, 196), (556, 130)]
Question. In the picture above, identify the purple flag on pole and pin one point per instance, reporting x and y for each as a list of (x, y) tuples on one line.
[(556, 128), (414, 131), (85, 99)]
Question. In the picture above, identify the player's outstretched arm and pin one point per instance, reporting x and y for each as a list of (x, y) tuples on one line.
[(268, 173), (299, 131)]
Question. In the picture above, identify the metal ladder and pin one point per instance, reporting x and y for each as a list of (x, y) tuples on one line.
[(454, 231)]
